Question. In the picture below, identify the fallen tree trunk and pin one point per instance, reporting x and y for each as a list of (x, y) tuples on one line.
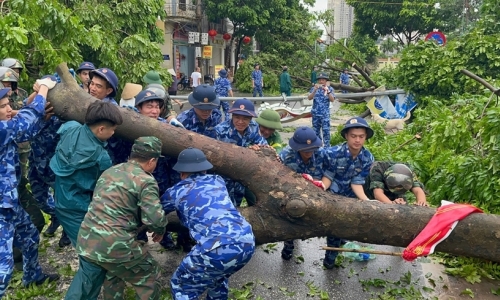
[(289, 207)]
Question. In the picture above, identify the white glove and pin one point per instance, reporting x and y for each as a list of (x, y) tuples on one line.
[(176, 123), (49, 82)]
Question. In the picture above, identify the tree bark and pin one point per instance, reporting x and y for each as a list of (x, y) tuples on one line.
[(289, 207), (365, 76)]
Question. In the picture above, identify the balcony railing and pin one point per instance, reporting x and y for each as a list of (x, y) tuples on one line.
[(180, 9)]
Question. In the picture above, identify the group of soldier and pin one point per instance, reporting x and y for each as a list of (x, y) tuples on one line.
[(109, 192)]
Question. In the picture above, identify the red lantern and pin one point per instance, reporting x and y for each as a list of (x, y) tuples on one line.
[(246, 40), (212, 33), (226, 37)]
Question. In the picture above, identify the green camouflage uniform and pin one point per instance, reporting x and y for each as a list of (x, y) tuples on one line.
[(379, 172), (25, 196), (124, 195)]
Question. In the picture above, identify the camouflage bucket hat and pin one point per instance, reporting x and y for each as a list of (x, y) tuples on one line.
[(147, 146), (399, 178)]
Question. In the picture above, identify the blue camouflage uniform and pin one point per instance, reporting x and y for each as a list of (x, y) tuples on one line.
[(16, 227), (343, 171), (314, 167), (344, 79), (40, 176), (321, 114), (257, 79), (224, 239), (191, 122), (292, 159), (222, 88), (226, 132)]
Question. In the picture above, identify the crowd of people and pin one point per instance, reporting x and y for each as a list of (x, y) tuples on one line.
[(108, 193)]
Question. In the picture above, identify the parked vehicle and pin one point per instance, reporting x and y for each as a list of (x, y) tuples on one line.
[(183, 83)]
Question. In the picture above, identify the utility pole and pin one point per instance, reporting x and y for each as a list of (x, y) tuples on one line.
[(199, 17)]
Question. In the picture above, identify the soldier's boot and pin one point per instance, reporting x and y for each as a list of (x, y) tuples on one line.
[(287, 252), (64, 240), (330, 256), (167, 242), (45, 278), (51, 230)]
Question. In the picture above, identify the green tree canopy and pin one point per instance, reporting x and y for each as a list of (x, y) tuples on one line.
[(405, 20), (43, 34), (428, 69)]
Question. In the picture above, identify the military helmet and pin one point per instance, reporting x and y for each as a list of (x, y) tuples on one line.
[(356, 122), (109, 76), (399, 178), (192, 160), (12, 63), (9, 75), (204, 97), (158, 89), (148, 95)]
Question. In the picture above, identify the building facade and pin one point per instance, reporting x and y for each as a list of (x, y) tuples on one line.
[(343, 15), (181, 55)]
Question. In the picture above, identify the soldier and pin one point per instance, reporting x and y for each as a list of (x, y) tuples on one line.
[(257, 80), (224, 239), (15, 225), (125, 196), (150, 104), (204, 114), (103, 85), (13, 64), (9, 79), (242, 131), (79, 160), (305, 156), (322, 95), (347, 167), (223, 89), (269, 121), (314, 75), (154, 83), (388, 182), (83, 73), (344, 79), (41, 177), (285, 82)]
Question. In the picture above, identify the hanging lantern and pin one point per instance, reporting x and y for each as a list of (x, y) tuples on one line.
[(212, 33), (246, 40), (226, 37)]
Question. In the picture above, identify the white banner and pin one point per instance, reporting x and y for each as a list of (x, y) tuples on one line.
[(197, 52), (204, 38)]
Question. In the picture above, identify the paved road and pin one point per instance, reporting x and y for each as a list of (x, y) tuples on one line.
[(270, 277)]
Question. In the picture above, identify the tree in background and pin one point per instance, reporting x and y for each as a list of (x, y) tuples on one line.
[(428, 69), (42, 34), (405, 20), (388, 45)]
